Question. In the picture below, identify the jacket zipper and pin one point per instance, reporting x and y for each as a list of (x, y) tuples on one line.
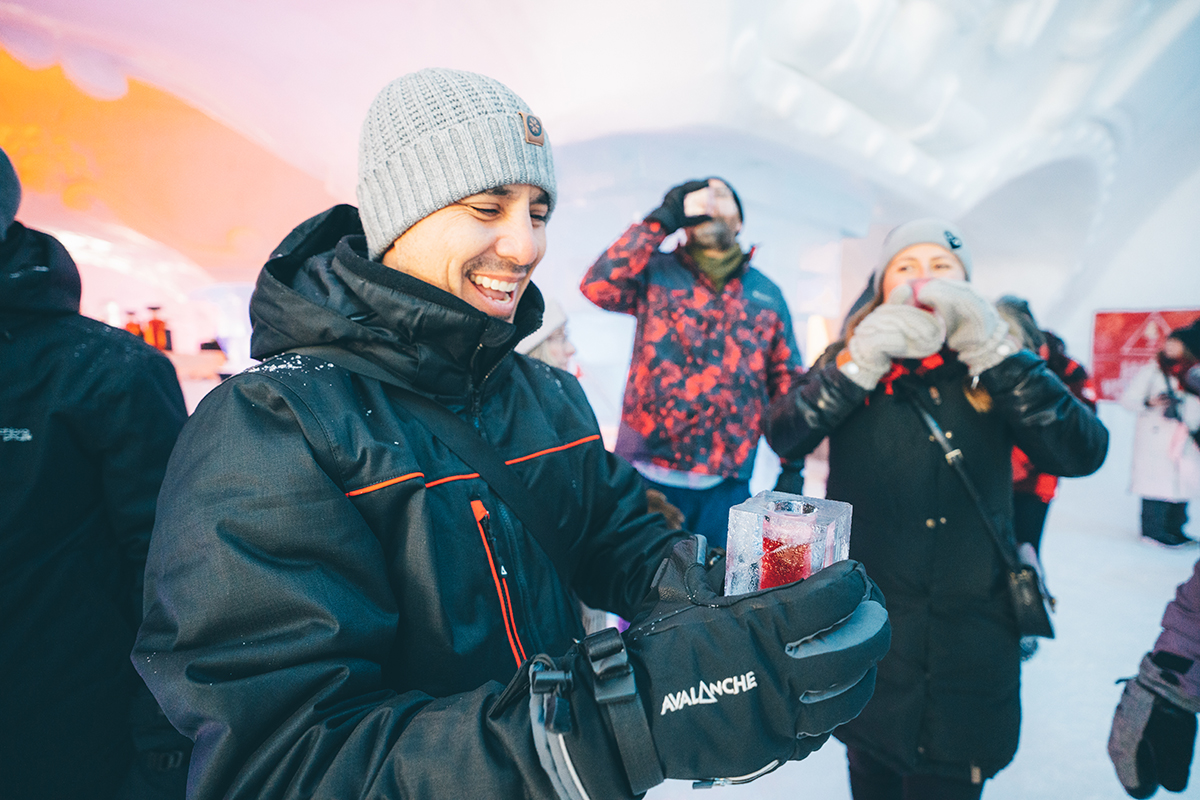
[(500, 579)]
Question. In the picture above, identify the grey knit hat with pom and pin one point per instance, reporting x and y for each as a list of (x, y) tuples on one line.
[(10, 194), (436, 136), (929, 230)]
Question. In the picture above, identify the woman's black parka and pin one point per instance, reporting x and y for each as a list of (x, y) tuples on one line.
[(947, 699)]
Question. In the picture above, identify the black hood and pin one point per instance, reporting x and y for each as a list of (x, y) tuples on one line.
[(319, 288), (36, 273)]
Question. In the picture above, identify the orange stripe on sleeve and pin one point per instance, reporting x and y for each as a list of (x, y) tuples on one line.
[(382, 484), (576, 443), (438, 482)]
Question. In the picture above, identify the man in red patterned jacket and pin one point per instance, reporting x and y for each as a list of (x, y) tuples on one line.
[(714, 345)]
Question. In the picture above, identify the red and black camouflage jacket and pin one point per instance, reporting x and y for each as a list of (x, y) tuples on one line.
[(705, 364)]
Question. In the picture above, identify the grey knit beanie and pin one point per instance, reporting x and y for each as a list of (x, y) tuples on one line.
[(436, 136), (922, 231), (10, 193)]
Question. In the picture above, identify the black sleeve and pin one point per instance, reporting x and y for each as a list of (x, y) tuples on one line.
[(132, 423), (1060, 434), (269, 617), (624, 543), (821, 401)]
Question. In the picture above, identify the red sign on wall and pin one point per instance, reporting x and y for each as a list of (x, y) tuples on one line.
[(1122, 341)]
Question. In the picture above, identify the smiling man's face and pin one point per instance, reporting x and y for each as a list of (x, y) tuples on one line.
[(482, 249)]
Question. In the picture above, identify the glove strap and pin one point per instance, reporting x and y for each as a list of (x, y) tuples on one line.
[(616, 693)]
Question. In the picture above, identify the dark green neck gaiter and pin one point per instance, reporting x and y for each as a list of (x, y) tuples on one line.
[(718, 268)]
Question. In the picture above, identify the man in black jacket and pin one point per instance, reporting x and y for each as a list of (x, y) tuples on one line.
[(340, 605), (88, 416)]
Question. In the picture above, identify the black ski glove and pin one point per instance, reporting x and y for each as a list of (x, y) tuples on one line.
[(1152, 737), (731, 687), (670, 214)]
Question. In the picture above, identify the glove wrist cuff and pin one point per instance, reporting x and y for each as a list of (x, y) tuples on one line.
[(1159, 680), (589, 724), (573, 744), (615, 691), (989, 354), (666, 220), (862, 371)]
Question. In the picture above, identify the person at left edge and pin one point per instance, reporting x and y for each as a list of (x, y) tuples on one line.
[(88, 416), (336, 600), (713, 346)]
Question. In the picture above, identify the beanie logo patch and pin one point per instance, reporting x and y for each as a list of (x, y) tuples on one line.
[(952, 240), (534, 133)]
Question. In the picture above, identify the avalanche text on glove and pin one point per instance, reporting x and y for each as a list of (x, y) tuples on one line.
[(704, 693)]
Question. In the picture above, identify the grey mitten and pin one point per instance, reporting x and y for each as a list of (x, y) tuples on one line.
[(974, 329), (1154, 728), (893, 330)]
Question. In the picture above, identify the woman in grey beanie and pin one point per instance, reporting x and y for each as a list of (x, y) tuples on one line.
[(946, 710)]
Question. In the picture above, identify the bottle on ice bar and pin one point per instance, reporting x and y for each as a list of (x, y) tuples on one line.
[(132, 325), (156, 330), (776, 538)]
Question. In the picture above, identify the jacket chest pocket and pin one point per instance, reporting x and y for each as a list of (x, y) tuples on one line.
[(499, 573)]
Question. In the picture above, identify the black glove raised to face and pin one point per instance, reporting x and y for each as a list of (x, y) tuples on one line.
[(731, 687), (671, 215), (1153, 736)]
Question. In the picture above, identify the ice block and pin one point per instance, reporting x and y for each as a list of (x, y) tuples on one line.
[(776, 538)]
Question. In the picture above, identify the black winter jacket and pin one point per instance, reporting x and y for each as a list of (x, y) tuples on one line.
[(88, 416), (947, 698), (334, 600)]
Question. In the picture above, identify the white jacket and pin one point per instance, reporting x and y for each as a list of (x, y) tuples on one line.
[(1166, 461)]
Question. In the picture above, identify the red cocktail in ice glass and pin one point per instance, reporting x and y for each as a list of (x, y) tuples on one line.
[(787, 557)]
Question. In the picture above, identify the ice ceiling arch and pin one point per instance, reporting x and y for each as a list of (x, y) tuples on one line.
[(890, 107)]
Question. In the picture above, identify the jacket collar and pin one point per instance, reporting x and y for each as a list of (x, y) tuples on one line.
[(322, 290), (926, 370)]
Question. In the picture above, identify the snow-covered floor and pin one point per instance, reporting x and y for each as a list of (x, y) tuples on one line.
[(1111, 589)]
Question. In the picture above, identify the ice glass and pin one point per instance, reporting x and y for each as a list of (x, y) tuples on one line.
[(776, 538)]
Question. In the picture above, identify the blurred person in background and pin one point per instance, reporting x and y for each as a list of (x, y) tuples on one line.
[(714, 345), (1033, 489), (88, 417), (550, 343), (1166, 458), (1191, 376), (946, 712), (1153, 736)]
